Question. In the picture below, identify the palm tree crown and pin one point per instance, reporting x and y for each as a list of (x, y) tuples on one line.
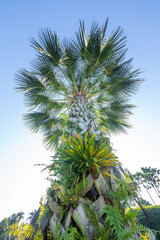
[(79, 85)]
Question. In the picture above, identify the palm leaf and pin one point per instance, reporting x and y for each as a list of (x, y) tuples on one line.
[(53, 138), (35, 120), (26, 81), (50, 48)]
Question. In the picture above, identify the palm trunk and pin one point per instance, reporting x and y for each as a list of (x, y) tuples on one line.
[(82, 118), (139, 194), (154, 186), (157, 189), (157, 192), (143, 210), (148, 193)]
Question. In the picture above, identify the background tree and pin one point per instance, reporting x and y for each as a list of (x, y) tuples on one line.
[(144, 202), (7, 222), (149, 179), (3, 228), (138, 179), (30, 215)]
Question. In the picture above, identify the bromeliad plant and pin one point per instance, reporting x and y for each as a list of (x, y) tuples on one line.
[(81, 156)]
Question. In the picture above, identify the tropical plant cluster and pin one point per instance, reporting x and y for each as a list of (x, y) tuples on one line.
[(66, 196), (115, 216), (114, 222), (83, 157)]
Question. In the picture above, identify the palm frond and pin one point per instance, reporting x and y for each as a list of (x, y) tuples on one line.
[(121, 80), (49, 48), (46, 71), (121, 105), (80, 43), (104, 28), (53, 138), (35, 120), (26, 81), (114, 122), (94, 43)]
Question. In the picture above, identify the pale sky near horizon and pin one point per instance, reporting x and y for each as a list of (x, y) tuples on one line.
[(22, 184)]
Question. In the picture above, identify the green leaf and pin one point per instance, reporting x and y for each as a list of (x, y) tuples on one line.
[(85, 156), (95, 159), (98, 169)]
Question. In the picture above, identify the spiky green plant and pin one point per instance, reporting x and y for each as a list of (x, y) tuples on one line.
[(80, 156)]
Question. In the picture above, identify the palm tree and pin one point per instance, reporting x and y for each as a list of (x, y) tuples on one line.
[(138, 178), (79, 87), (30, 215), (151, 178), (86, 80)]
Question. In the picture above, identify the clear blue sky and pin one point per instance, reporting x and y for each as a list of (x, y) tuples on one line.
[(21, 184)]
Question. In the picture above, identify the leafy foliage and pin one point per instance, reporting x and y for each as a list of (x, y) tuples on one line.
[(143, 232), (148, 178), (118, 223), (58, 230), (22, 231), (31, 214), (123, 194), (118, 218), (154, 218), (42, 211), (144, 202), (71, 234), (65, 196), (13, 228), (99, 231), (80, 156), (114, 221), (6, 223)]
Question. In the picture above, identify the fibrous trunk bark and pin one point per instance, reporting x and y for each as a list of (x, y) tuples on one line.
[(82, 117)]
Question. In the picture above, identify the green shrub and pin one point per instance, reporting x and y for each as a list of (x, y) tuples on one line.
[(154, 218)]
